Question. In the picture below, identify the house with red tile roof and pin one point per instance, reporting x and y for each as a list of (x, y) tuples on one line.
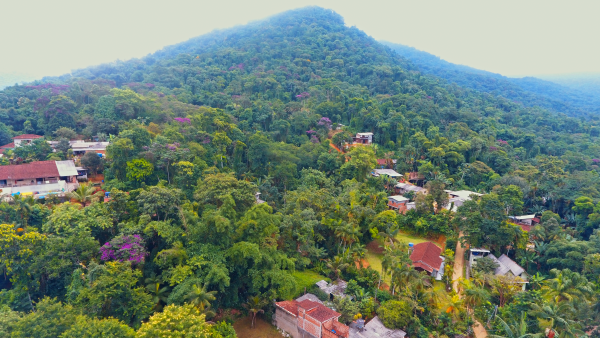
[(25, 139), (306, 317), (38, 178), (426, 256)]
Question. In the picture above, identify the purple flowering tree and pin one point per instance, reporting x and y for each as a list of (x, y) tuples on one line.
[(124, 248), (325, 122), (183, 120)]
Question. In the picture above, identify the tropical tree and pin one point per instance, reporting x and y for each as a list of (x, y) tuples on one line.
[(255, 305), (201, 298), (516, 329), (84, 194)]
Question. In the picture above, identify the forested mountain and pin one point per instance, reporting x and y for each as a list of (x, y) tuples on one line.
[(198, 128), (530, 91), (584, 82)]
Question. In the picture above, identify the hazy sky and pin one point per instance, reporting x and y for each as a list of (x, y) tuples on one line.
[(513, 38)]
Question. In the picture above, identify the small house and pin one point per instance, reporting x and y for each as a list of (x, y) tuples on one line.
[(526, 222), (386, 172), (374, 329), (38, 178), (384, 163), (24, 139), (363, 138), (506, 266), (403, 188), (398, 203), (308, 317), (427, 257)]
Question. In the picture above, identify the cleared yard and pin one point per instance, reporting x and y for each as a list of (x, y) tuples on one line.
[(262, 329)]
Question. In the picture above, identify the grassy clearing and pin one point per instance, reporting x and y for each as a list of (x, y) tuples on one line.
[(306, 279), (406, 238), (261, 330)]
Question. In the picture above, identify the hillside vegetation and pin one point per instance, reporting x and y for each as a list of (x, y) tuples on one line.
[(564, 96), (198, 128)]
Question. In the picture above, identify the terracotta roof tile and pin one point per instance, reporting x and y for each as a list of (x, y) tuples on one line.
[(290, 306), (323, 313), (8, 146), (26, 137), (39, 169), (426, 256), (308, 304)]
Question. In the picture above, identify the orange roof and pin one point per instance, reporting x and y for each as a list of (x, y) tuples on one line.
[(26, 137), (426, 256), (8, 146), (316, 310), (31, 170)]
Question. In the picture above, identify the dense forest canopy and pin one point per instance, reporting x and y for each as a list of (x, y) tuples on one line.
[(572, 95), (196, 130)]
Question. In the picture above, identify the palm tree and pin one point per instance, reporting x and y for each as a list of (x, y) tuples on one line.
[(516, 329), (254, 306), (337, 265), (85, 193), (536, 280), (200, 298), (24, 207), (159, 295), (473, 294), (537, 209), (529, 257), (558, 314), (568, 286)]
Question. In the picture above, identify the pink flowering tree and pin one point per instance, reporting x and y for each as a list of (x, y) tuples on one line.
[(124, 248), (183, 120)]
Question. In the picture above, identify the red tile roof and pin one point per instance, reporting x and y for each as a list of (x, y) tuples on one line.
[(308, 304), (426, 256), (39, 169), (26, 137), (322, 313), (290, 306), (8, 146), (316, 310)]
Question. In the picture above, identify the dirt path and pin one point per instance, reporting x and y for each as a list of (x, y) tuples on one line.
[(459, 263)]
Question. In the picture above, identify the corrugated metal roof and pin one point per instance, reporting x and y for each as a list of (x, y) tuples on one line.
[(515, 268), (66, 168)]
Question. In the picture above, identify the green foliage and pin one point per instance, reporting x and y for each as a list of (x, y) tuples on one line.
[(139, 169), (395, 314), (111, 291), (198, 129), (176, 321), (85, 327)]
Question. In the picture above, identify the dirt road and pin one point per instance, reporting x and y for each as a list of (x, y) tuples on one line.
[(459, 264)]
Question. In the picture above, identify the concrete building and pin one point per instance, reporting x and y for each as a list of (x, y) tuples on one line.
[(385, 172), (398, 203), (374, 329), (309, 319), (403, 188), (25, 139), (363, 138), (38, 178), (526, 222)]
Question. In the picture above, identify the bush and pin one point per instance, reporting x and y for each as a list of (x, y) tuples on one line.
[(451, 243), (383, 296), (395, 314), (322, 295)]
